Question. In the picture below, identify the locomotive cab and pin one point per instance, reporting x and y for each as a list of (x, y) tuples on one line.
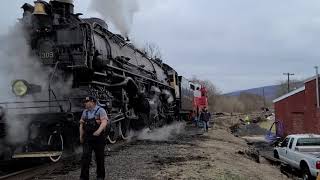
[(174, 82)]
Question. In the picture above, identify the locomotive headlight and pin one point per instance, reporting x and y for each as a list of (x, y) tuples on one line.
[(20, 88)]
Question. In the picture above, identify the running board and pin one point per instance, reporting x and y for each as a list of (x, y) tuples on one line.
[(37, 154)]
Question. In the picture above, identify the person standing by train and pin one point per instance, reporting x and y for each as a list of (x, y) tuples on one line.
[(205, 117), (93, 123)]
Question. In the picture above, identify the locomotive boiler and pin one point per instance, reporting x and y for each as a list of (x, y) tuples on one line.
[(82, 57)]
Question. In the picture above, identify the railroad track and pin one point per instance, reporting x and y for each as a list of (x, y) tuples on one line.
[(24, 170), (50, 170), (28, 173)]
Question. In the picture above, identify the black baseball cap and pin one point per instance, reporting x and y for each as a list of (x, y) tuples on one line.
[(90, 98)]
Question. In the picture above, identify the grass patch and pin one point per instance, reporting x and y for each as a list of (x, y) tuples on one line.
[(267, 124)]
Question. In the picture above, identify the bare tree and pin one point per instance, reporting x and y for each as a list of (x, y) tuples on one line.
[(153, 50), (213, 91), (283, 86), (228, 104), (251, 102)]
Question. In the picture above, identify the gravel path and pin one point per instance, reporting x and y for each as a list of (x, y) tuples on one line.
[(189, 155)]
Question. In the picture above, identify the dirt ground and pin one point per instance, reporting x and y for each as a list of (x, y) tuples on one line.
[(223, 158), (190, 155)]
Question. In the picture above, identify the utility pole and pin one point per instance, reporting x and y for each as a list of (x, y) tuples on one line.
[(288, 74), (264, 98)]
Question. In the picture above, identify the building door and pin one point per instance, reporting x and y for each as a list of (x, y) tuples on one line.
[(297, 122)]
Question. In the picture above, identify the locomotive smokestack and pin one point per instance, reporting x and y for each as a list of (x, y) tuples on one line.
[(63, 7), (64, 1)]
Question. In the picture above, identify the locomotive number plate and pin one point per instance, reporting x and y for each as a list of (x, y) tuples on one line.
[(46, 55)]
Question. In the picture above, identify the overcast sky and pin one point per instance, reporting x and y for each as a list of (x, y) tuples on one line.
[(237, 44)]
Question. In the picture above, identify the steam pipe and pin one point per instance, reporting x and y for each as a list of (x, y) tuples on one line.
[(123, 83)]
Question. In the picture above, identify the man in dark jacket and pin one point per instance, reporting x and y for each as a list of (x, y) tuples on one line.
[(205, 117)]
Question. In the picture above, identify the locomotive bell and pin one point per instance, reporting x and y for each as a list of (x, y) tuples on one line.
[(39, 8)]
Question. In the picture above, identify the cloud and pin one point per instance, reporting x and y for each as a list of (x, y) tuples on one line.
[(258, 40), (254, 39)]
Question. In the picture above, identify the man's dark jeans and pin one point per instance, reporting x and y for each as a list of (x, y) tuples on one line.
[(206, 125), (97, 145)]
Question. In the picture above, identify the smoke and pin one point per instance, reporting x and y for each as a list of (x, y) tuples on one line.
[(18, 129), (18, 63), (78, 150), (162, 134), (168, 96), (119, 12)]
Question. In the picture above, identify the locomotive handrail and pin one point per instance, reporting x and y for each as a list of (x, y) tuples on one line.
[(149, 72), (143, 77), (22, 102), (51, 90), (32, 107), (7, 104)]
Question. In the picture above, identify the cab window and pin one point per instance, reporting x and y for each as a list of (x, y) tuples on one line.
[(291, 143), (192, 87), (285, 142), (171, 78), (308, 142)]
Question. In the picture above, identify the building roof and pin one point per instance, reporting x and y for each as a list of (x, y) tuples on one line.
[(310, 79), (289, 94)]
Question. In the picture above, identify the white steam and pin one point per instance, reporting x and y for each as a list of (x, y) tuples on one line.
[(17, 63), (118, 12), (162, 134), (18, 129)]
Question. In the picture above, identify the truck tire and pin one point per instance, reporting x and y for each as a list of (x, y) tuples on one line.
[(306, 175)]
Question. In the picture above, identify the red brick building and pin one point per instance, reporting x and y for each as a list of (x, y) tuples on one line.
[(297, 111)]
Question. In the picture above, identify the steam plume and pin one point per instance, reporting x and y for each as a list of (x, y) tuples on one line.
[(119, 12), (162, 134), (17, 63)]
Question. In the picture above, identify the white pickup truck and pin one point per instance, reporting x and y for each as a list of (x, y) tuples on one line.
[(301, 151)]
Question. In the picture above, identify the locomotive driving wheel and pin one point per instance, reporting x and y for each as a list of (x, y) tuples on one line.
[(124, 129), (56, 145), (124, 125), (112, 133)]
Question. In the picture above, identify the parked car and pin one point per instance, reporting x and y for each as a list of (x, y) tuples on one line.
[(302, 152)]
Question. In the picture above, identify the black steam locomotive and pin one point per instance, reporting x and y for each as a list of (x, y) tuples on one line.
[(84, 57)]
